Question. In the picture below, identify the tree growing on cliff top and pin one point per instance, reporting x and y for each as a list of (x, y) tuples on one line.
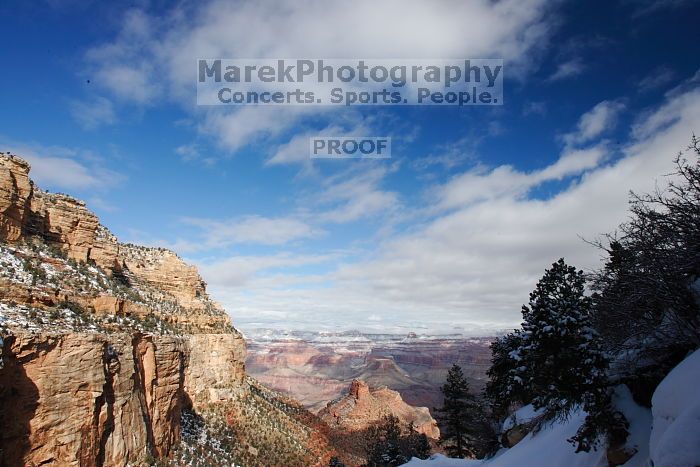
[(419, 445)]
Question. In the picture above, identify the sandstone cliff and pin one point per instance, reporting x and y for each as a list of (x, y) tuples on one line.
[(103, 344), (113, 354), (364, 406)]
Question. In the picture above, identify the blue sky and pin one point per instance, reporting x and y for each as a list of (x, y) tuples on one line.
[(451, 233)]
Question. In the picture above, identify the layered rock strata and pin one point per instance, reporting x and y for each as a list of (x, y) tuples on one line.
[(103, 344)]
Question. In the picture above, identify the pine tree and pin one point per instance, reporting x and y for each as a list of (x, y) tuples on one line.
[(503, 389), (416, 444), (560, 359), (644, 297), (392, 455), (454, 411), (385, 444), (466, 431), (420, 446)]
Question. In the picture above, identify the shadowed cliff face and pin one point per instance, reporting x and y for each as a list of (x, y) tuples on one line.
[(104, 343), (19, 398), (94, 399)]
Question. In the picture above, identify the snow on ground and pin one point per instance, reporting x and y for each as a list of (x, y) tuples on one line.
[(639, 429), (672, 436), (438, 460), (520, 416), (675, 436), (550, 448)]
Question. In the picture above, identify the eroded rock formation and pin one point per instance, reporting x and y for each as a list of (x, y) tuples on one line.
[(66, 224), (364, 406), (103, 344)]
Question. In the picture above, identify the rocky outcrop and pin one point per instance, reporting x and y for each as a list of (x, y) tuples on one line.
[(364, 406), (514, 435), (358, 390), (214, 367), (15, 191), (166, 271), (66, 224), (102, 344), (619, 455)]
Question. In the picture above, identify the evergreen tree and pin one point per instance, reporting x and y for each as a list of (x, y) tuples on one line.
[(559, 358), (420, 446), (502, 388), (453, 413), (465, 430), (416, 444), (335, 462), (390, 444), (385, 444)]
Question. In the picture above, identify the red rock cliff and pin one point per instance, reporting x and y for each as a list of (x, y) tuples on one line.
[(103, 343)]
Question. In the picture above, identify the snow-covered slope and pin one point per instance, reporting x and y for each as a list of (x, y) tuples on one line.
[(546, 448), (675, 435), (668, 435)]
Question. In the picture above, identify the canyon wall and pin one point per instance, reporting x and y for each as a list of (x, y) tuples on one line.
[(103, 343), (317, 367)]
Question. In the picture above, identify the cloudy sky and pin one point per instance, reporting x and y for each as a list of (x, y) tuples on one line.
[(449, 234)]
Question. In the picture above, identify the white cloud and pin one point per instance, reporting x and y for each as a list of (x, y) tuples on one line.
[(154, 57), (97, 202), (188, 152), (482, 184), (356, 194), (661, 76), (448, 156), (57, 167), (601, 118), (246, 271), (253, 230), (233, 129), (126, 67), (480, 261), (93, 113), (646, 7), (535, 108), (471, 267), (567, 69), (296, 150)]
